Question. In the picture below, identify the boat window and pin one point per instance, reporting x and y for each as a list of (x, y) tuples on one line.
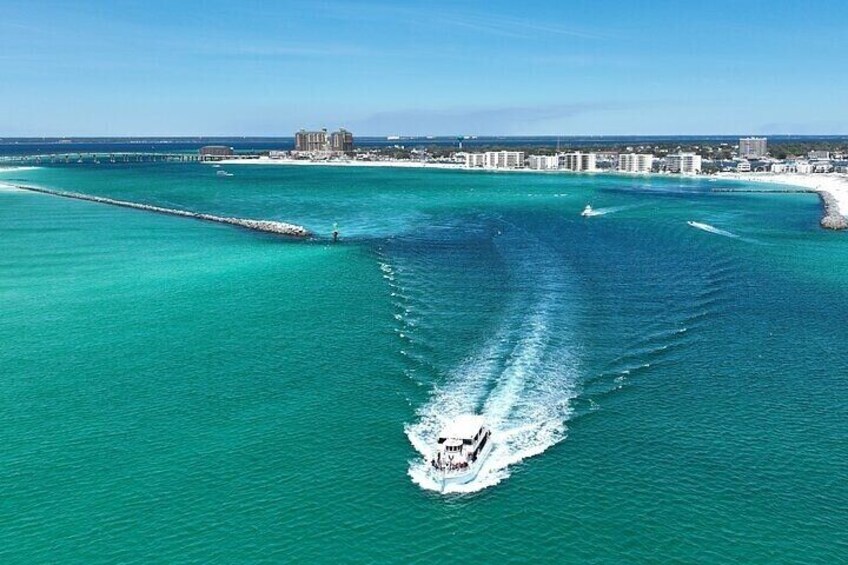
[(466, 441), (441, 440)]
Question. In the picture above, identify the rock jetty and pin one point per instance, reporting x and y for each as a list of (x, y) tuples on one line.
[(833, 218), (267, 226)]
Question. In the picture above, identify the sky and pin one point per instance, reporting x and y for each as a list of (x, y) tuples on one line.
[(568, 67)]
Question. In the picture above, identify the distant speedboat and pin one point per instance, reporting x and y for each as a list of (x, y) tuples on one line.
[(223, 173), (462, 447), (587, 211)]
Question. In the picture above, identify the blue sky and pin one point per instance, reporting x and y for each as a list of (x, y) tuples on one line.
[(573, 67)]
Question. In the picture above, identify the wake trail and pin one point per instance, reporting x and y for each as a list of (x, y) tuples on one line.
[(521, 379), (712, 229)]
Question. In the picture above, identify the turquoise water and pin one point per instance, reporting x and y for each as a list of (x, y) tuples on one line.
[(180, 391)]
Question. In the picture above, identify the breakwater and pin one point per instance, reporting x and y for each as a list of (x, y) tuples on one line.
[(832, 218), (267, 226)]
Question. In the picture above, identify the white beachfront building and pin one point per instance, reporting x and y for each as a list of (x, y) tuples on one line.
[(474, 160), (495, 160), (504, 159), (743, 166), (543, 162), (577, 161), (635, 162), (684, 163)]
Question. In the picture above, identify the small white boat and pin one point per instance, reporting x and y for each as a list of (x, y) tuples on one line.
[(223, 173), (587, 211), (462, 448)]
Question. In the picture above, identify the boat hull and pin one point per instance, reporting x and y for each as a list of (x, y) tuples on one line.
[(458, 479)]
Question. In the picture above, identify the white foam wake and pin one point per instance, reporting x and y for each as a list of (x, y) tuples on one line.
[(520, 381), (608, 210), (17, 168), (712, 229)]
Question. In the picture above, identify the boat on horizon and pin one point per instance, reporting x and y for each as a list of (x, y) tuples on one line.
[(461, 449), (223, 173)]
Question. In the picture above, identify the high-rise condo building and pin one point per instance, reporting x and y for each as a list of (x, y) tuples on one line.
[(311, 140), (753, 147), (577, 161), (543, 162), (504, 159), (341, 141), (635, 162), (685, 163), (320, 141)]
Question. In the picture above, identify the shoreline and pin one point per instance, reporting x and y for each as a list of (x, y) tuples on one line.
[(832, 189), (266, 226)]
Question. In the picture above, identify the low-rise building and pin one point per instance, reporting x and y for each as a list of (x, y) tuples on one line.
[(743, 166), (803, 167), (215, 152), (822, 166), (683, 163), (635, 162), (783, 167)]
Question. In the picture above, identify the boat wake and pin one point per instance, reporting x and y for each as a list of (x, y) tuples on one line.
[(15, 169), (522, 380), (521, 390), (608, 210), (712, 229)]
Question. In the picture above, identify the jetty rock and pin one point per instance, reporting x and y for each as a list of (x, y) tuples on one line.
[(833, 218), (267, 226)]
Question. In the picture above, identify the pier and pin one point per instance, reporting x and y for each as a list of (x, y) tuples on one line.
[(98, 158), (832, 218), (266, 226)]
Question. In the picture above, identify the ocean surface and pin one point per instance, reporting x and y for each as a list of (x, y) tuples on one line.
[(661, 391)]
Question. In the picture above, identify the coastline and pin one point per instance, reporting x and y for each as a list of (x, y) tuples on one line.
[(832, 188)]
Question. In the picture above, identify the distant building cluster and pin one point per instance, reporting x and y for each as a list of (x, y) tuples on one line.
[(750, 156), (321, 141)]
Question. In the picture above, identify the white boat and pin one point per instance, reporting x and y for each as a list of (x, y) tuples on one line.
[(223, 173), (587, 211), (461, 450)]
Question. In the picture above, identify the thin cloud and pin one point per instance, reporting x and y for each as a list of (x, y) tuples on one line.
[(502, 26), (477, 121)]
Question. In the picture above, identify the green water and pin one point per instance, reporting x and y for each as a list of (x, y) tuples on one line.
[(181, 391)]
